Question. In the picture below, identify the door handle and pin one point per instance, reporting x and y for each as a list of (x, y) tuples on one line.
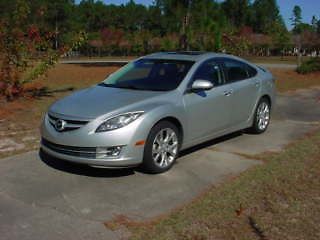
[(257, 83), (228, 93)]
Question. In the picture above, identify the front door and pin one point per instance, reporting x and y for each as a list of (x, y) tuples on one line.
[(208, 112)]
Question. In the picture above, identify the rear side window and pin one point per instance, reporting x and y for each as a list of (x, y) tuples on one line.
[(236, 71), (252, 72), (210, 71)]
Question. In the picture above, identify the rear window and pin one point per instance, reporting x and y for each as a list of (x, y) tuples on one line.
[(237, 70), (252, 72)]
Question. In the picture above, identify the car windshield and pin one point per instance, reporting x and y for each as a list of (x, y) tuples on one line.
[(150, 74)]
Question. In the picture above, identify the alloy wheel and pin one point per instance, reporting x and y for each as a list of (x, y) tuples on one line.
[(263, 116), (165, 147)]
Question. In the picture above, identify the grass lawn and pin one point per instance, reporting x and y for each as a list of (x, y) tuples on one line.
[(277, 200), (290, 80), (277, 59), (102, 58)]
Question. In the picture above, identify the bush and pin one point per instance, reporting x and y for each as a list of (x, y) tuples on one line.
[(312, 65)]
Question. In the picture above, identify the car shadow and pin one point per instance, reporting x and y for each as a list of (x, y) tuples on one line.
[(210, 143), (81, 169), (84, 170)]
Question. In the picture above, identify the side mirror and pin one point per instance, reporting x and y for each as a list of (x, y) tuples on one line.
[(201, 85)]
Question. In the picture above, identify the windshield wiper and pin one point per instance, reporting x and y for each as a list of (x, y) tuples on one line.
[(132, 87), (129, 87), (142, 89), (105, 84), (120, 86)]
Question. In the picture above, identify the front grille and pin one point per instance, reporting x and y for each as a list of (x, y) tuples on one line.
[(70, 124), (86, 152)]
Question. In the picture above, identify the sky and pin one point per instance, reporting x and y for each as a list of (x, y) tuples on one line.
[(309, 8)]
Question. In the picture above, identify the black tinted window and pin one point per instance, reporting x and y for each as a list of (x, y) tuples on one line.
[(236, 70), (209, 71), (251, 71)]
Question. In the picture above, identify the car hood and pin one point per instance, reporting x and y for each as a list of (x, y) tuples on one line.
[(93, 102)]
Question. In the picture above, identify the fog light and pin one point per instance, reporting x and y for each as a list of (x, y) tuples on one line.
[(102, 152)]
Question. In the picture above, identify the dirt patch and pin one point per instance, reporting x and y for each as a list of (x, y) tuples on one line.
[(9, 145), (290, 80)]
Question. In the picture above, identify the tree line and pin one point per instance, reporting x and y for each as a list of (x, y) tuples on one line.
[(235, 26), (34, 34)]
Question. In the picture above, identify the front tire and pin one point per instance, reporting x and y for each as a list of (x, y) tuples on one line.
[(261, 117), (162, 148)]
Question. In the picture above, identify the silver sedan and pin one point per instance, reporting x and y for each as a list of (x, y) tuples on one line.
[(149, 110)]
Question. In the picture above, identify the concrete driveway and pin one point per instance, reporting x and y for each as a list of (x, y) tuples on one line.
[(45, 198)]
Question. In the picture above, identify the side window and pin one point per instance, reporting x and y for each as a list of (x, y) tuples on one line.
[(251, 71), (210, 71), (236, 71)]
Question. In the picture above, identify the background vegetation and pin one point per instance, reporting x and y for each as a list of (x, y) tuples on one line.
[(311, 65), (35, 33), (237, 26)]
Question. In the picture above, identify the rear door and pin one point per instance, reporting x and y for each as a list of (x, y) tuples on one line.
[(244, 89)]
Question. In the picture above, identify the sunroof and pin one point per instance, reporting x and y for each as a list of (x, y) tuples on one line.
[(194, 53)]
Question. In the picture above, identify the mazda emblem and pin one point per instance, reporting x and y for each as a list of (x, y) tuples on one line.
[(60, 125)]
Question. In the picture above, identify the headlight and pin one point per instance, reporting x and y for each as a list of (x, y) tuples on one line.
[(118, 121)]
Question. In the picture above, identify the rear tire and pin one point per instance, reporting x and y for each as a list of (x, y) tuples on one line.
[(261, 117), (162, 148)]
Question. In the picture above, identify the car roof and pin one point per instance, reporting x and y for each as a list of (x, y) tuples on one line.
[(194, 56)]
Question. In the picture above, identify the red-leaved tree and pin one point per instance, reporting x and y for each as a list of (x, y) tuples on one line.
[(26, 51)]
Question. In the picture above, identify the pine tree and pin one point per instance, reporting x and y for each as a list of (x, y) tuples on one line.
[(296, 18)]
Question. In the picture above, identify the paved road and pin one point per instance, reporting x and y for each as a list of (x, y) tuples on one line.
[(125, 61), (44, 198), (278, 65)]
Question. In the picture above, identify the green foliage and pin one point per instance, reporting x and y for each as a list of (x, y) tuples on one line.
[(265, 14), (300, 27), (13, 46), (204, 22), (280, 35), (296, 18), (21, 41), (170, 43), (309, 66), (237, 11), (314, 23), (52, 58)]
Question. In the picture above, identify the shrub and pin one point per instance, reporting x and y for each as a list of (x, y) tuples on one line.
[(26, 51), (312, 65)]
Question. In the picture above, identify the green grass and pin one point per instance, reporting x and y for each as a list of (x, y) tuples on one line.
[(277, 200), (312, 65), (276, 59), (290, 80)]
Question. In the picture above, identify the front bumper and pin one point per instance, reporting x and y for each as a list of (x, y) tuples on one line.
[(79, 146), (107, 162)]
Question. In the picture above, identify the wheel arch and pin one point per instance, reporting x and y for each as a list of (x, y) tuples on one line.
[(268, 98), (174, 121)]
